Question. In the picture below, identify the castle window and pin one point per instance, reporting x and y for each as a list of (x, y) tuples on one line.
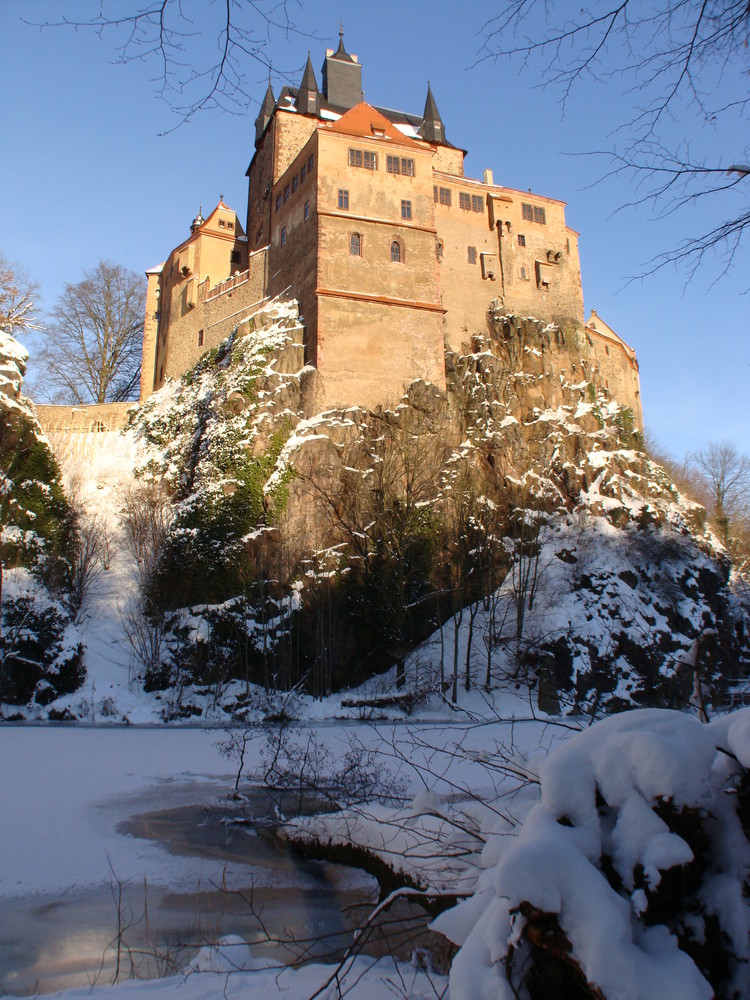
[(371, 161), (524, 273), (464, 201), (278, 201), (521, 240), (222, 224), (235, 258), (283, 235), (472, 255), (355, 157), (396, 252), (445, 196), (405, 209), (399, 165), (303, 173), (343, 198), (355, 245), (310, 161), (307, 210), (286, 193), (230, 225), (533, 213), (477, 203), (295, 183), (200, 338)]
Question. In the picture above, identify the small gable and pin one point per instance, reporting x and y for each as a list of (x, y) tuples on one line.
[(364, 121)]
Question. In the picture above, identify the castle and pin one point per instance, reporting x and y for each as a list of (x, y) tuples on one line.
[(364, 215)]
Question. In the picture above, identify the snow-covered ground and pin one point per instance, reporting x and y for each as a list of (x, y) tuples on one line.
[(70, 795)]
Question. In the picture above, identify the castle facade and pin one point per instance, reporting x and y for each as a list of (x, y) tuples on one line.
[(365, 216)]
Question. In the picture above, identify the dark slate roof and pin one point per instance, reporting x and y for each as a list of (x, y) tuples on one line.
[(309, 84), (341, 52), (268, 106)]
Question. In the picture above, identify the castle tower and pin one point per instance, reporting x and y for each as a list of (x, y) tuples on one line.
[(342, 78), (432, 128), (265, 114), (308, 95)]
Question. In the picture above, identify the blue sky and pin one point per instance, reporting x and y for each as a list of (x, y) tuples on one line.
[(85, 173)]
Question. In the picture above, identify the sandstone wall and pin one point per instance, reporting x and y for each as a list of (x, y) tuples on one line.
[(91, 417)]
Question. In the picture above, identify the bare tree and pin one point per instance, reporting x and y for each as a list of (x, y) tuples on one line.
[(680, 61), (728, 476), (17, 292), (92, 348), (201, 59)]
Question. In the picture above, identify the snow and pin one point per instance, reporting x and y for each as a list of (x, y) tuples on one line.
[(598, 794)]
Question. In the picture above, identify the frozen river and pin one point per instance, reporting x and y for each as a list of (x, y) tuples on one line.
[(123, 828)]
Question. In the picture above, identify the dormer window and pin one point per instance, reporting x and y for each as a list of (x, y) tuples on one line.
[(379, 132)]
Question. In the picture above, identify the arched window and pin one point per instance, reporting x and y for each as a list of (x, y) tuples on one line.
[(396, 252), (355, 245)]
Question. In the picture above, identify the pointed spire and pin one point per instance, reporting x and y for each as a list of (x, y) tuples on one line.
[(266, 113), (341, 52), (432, 127), (308, 98)]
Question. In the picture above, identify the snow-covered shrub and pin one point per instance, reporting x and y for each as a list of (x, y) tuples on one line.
[(40, 651), (629, 880), (41, 656)]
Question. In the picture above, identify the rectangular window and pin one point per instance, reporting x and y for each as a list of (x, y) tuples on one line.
[(521, 240), (445, 196), (527, 213), (307, 210), (295, 183), (435, 193), (371, 161), (405, 209), (230, 225), (310, 161), (477, 203), (343, 198), (355, 157), (464, 201), (540, 215), (286, 193), (235, 258), (283, 235), (472, 255), (278, 201), (393, 164), (222, 224), (303, 173), (407, 167), (200, 338)]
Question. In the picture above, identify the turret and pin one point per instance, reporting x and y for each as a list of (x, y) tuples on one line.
[(342, 77), (266, 113), (432, 128), (308, 96)]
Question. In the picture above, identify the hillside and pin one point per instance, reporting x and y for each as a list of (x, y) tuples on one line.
[(509, 535)]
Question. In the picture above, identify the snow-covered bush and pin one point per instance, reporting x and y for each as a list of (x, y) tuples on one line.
[(40, 651), (629, 880)]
